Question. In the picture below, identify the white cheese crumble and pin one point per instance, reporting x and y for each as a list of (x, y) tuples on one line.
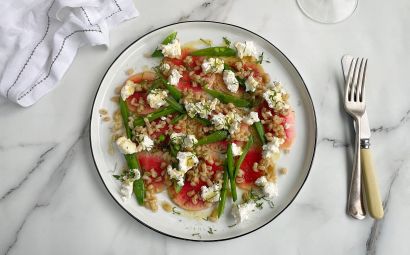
[(189, 141), (127, 184), (251, 118), (171, 50), (174, 77), (126, 190), (211, 194), (177, 138), (186, 141), (213, 65), (241, 212), (218, 120), (236, 150), (203, 108), (177, 175), (126, 146), (272, 148), (230, 122), (274, 97), (251, 84), (246, 49), (269, 189), (164, 67), (127, 90), (187, 160), (230, 81), (145, 143), (156, 98)]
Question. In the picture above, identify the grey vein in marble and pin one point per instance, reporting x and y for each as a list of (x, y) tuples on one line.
[(209, 10), (39, 162), (336, 143), (52, 185), (402, 122), (371, 243)]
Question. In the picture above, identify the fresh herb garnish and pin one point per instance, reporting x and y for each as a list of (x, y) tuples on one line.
[(206, 42), (226, 41), (116, 176), (196, 234), (259, 205), (175, 211), (211, 231), (241, 81), (260, 59)]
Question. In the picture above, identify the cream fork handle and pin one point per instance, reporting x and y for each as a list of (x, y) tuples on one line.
[(355, 206), (373, 199)]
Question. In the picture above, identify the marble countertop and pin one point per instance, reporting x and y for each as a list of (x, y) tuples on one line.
[(52, 200)]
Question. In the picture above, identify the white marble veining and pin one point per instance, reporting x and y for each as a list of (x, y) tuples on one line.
[(52, 200)]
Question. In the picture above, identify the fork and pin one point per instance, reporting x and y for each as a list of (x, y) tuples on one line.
[(355, 106)]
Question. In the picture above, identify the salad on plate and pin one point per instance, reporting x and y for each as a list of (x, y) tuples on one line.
[(205, 126)]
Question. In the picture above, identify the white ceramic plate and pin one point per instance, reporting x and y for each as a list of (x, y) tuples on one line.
[(187, 226)]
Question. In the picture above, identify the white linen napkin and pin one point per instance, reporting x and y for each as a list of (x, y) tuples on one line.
[(39, 40)]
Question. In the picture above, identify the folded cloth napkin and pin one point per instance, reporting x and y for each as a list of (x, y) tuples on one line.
[(39, 40)]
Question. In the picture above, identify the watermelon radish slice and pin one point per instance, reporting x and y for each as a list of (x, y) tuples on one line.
[(144, 76), (184, 201), (160, 131), (250, 176), (288, 125), (185, 83), (133, 103), (290, 130), (150, 161)]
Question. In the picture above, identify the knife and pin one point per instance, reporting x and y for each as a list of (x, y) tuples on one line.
[(372, 194)]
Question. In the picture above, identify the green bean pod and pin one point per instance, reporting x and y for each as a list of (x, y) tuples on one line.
[(216, 136), (139, 191), (125, 114), (132, 161), (174, 104), (154, 115), (203, 121), (215, 52), (231, 170), (243, 155), (261, 132), (175, 93), (178, 118), (222, 197), (224, 98)]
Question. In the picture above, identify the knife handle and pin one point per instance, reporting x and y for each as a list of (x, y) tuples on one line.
[(373, 199)]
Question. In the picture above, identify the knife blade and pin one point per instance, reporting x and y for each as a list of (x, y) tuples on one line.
[(365, 128)]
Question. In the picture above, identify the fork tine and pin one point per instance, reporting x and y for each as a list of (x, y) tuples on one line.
[(354, 82), (349, 81), (362, 87), (359, 83)]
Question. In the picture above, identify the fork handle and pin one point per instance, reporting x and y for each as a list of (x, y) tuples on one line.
[(355, 206), (373, 199)]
